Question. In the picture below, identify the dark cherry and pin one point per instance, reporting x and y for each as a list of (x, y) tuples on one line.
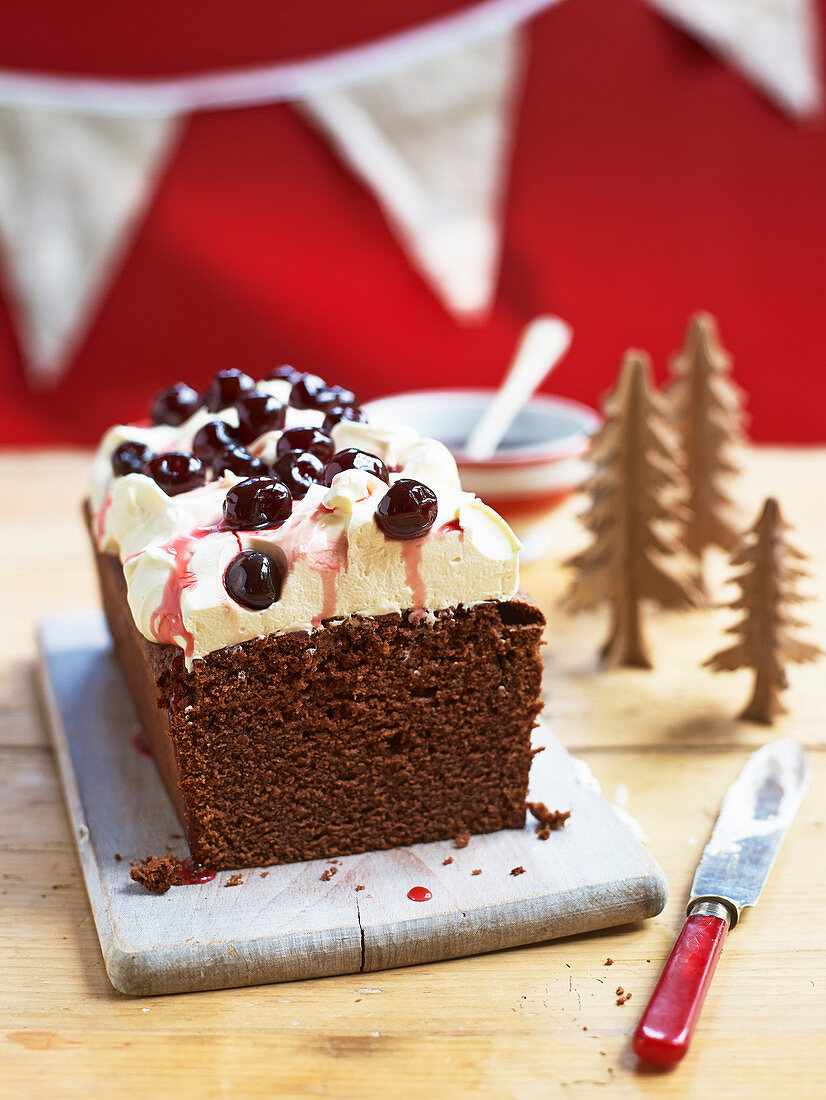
[(285, 372), (130, 458), (256, 503), (305, 391), (354, 459), (175, 405), (259, 413), (407, 510), (312, 392), (255, 580), (176, 472), (213, 438), (342, 412), (343, 398), (225, 389), (238, 461), (299, 470), (315, 441)]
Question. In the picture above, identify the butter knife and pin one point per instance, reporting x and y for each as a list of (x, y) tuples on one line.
[(758, 808)]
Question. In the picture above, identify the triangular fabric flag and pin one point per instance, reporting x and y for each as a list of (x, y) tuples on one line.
[(72, 188), (432, 141), (772, 42)]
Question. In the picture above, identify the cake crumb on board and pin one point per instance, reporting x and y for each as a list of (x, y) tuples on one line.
[(548, 820), (477, 871), (234, 880), (264, 874), (462, 839), (328, 874), (517, 871), (609, 961), (446, 861), (360, 887), (156, 874)]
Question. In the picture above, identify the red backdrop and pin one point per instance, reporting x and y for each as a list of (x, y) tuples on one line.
[(648, 180)]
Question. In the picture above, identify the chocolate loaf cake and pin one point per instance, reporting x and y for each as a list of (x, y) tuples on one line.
[(328, 656)]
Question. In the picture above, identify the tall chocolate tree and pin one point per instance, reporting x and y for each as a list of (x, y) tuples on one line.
[(705, 406), (635, 495), (768, 585)]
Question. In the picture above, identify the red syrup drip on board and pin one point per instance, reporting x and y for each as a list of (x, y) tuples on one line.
[(137, 739), (192, 873), (412, 554), (419, 893)]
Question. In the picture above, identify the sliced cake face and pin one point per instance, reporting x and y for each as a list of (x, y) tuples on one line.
[(266, 508)]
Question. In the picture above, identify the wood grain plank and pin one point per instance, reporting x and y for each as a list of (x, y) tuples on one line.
[(501, 1025)]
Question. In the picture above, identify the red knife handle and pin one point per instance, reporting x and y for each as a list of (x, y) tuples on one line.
[(668, 1022)]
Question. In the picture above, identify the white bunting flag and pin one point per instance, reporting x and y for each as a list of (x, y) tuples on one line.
[(432, 143), (72, 189), (424, 118), (772, 42)]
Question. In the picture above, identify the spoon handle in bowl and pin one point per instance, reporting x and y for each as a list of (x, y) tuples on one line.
[(542, 344)]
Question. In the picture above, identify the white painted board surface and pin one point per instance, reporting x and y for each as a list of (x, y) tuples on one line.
[(290, 924)]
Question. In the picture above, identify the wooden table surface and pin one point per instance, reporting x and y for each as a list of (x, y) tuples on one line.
[(531, 1022)]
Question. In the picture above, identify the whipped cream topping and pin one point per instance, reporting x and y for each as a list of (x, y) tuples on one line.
[(175, 550)]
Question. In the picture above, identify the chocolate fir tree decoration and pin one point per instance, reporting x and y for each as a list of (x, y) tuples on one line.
[(706, 409), (767, 586), (635, 492)]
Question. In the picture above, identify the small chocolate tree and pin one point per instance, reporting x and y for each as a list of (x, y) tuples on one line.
[(635, 493), (705, 406), (767, 588)]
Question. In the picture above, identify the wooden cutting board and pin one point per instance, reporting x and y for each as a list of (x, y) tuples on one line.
[(287, 922)]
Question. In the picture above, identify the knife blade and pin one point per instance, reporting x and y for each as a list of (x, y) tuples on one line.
[(757, 810)]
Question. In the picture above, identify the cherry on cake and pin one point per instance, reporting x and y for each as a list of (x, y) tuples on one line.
[(323, 635)]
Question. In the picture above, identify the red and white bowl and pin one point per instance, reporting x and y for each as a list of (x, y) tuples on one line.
[(537, 465)]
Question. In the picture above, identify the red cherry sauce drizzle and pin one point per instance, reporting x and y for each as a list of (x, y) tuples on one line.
[(412, 554), (193, 874), (419, 893), (450, 528), (329, 584), (303, 536), (167, 622), (137, 739), (100, 519)]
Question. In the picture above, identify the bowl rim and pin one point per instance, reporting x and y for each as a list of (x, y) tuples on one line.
[(572, 445)]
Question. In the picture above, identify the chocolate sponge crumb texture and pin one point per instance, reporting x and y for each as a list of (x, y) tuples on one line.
[(157, 874), (349, 732)]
